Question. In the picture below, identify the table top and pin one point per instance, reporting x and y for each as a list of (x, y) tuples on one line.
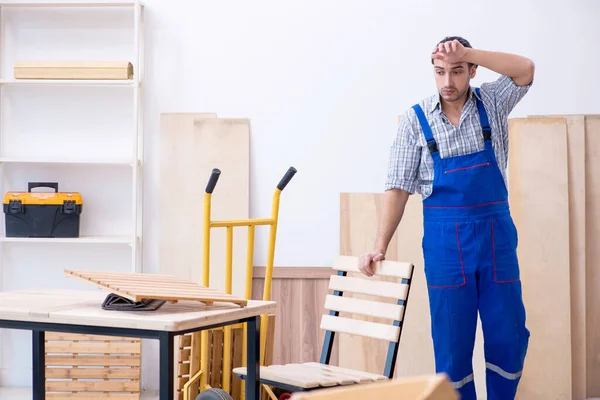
[(83, 307)]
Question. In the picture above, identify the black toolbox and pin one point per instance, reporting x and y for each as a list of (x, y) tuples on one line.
[(42, 214)]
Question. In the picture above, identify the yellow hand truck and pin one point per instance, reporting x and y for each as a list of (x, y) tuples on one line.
[(192, 387)]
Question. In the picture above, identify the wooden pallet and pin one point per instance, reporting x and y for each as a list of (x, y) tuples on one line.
[(138, 287), (82, 366), (189, 359)]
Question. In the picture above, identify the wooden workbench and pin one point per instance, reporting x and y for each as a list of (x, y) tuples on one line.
[(80, 311)]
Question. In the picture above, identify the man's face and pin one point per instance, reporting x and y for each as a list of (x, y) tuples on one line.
[(452, 80)]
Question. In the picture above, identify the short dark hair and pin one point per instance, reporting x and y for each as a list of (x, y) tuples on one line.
[(460, 39)]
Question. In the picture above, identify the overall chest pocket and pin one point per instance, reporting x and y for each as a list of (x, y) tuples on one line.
[(451, 170)]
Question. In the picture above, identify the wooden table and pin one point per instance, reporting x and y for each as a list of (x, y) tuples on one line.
[(79, 311)]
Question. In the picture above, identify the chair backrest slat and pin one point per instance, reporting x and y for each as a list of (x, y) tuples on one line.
[(391, 290), (371, 308), (359, 327), (382, 268)]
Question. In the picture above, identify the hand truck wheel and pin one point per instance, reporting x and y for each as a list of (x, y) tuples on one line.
[(214, 394)]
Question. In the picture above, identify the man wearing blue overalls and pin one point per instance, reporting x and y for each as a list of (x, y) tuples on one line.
[(452, 148)]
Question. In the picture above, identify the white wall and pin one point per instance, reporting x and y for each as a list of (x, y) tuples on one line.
[(322, 81)]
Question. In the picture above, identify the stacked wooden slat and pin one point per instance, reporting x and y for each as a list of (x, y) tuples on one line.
[(138, 287), (82, 366)]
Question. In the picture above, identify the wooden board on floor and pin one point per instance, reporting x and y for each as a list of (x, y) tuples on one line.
[(426, 387), (592, 276), (539, 197), (359, 220), (191, 146)]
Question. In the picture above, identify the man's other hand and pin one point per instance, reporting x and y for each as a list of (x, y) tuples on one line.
[(365, 260)]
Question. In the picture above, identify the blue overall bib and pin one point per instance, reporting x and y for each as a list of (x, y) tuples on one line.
[(471, 266)]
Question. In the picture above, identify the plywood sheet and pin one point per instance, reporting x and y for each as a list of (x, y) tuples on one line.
[(178, 241), (191, 146), (576, 138), (539, 197), (359, 221), (592, 276)]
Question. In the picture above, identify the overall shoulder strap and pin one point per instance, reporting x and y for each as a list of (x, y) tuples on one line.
[(431, 144), (483, 117)]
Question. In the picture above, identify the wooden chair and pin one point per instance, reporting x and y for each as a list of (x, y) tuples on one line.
[(425, 387), (316, 375)]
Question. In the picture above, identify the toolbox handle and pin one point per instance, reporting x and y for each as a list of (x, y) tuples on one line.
[(32, 185), (287, 178), (212, 182)]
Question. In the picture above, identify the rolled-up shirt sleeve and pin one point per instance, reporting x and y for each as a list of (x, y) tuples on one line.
[(404, 158), (505, 93)]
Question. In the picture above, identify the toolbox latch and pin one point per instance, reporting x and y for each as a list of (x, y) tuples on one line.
[(15, 207), (69, 207)]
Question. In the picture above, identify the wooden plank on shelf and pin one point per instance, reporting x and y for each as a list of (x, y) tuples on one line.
[(192, 145), (539, 197), (74, 70), (592, 274)]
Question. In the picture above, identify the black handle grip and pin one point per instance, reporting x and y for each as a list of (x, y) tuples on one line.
[(212, 182), (286, 178), (33, 185)]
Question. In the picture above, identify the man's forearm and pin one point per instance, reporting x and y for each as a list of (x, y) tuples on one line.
[(394, 202), (520, 69)]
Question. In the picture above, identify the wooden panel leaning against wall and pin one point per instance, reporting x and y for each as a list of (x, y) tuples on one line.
[(300, 295)]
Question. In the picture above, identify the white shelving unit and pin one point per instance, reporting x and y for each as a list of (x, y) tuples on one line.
[(86, 135), (134, 164)]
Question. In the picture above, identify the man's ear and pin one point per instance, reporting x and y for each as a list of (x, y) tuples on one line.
[(473, 71)]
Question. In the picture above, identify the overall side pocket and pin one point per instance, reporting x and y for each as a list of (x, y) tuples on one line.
[(444, 266), (504, 250)]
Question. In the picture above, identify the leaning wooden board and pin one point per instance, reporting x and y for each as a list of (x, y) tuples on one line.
[(576, 149), (592, 277), (191, 146), (359, 220), (189, 150), (359, 217), (178, 225), (539, 198)]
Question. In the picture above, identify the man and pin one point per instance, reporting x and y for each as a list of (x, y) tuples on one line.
[(452, 149)]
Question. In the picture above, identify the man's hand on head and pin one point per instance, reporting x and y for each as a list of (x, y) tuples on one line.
[(451, 52)]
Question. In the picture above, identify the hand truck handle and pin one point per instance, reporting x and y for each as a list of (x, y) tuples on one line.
[(286, 178), (212, 182)]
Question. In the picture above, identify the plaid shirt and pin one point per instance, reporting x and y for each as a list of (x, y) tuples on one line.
[(411, 166)]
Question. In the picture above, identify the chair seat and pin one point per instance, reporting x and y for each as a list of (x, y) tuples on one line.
[(312, 375)]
